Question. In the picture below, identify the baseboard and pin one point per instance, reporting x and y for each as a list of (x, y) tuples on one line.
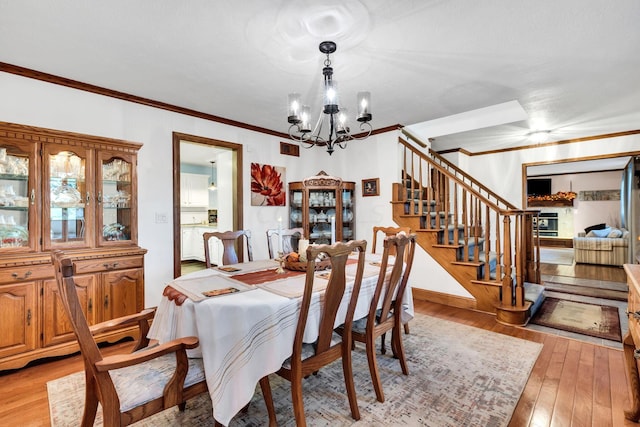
[(444, 299)]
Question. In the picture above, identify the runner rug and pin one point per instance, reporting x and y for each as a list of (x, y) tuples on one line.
[(595, 320), (458, 376)]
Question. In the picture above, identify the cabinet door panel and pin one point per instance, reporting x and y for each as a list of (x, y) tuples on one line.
[(116, 199), (18, 317), (56, 325), (18, 182), (123, 293), (68, 197), (194, 190)]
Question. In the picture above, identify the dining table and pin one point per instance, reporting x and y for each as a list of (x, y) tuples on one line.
[(245, 317)]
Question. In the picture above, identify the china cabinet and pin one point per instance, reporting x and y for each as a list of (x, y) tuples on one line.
[(324, 206), (77, 193)]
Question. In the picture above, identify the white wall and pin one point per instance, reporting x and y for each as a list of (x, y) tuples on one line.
[(32, 102)]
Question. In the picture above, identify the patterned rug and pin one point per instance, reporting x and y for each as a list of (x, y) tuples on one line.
[(458, 376), (601, 321)]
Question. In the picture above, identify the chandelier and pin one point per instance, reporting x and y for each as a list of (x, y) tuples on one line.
[(332, 115)]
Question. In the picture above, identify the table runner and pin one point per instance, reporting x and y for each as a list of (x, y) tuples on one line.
[(263, 276)]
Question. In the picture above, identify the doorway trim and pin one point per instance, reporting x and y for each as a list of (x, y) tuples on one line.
[(237, 221)]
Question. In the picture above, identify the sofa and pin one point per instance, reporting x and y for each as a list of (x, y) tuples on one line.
[(607, 246)]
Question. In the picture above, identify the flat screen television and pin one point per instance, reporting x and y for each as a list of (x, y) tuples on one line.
[(538, 186)]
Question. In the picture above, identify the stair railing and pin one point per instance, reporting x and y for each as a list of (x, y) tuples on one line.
[(486, 227)]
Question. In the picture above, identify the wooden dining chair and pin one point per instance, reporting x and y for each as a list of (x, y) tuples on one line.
[(229, 240), (308, 358), (133, 386), (387, 231), (290, 238), (385, 310), (390, 231)]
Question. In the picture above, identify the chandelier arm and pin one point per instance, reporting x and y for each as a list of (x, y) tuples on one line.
[(362, 128)]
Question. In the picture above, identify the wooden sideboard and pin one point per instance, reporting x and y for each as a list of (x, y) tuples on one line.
[(631, 341)]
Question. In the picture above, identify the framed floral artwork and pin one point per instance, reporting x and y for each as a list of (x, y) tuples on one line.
[(268, 185)]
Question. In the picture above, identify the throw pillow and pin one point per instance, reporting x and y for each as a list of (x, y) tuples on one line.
[(600, 233), (615, 233), (595, 227)]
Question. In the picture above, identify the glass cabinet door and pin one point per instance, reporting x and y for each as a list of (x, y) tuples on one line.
[(322, 215), (68, 220), (295, 214), (116, 199), (348, 219), (17, 197)]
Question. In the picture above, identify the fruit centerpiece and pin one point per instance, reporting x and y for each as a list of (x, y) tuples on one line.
[(292, 262)]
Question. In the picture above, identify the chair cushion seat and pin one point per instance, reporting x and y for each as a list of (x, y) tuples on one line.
[(144, 382), (309, 350), (359, 326)]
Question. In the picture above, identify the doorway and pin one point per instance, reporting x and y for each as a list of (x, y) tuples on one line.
[(228, 193)]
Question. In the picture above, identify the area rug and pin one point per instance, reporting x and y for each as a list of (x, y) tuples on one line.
[(458, 376), (601, 321), (558, 256)]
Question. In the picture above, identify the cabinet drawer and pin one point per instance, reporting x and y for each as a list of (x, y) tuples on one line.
[(107, 264), (20, 274)]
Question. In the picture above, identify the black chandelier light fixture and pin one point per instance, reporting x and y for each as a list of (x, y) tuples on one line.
[(332, 115)]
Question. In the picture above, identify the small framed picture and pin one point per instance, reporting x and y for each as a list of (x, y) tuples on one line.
[(370, 187)]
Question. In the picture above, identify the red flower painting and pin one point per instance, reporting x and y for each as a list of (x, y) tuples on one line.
[(267, 185)]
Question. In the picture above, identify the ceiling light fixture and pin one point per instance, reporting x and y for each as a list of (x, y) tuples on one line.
[(212, 186), (336, 116), (539, 136)]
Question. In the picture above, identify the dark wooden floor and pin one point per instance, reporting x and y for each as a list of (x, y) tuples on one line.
[(586, 271), (572, 383)]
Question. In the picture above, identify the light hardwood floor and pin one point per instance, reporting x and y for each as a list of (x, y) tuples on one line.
[(572, 383)]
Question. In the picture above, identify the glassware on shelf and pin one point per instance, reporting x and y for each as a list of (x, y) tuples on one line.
[(115, 231), (65, 196), (116, 170), (12, 235), (66, 165), (121, 199)]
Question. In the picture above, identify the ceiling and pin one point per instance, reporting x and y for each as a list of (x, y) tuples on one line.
[(572, 66), (585, 166)]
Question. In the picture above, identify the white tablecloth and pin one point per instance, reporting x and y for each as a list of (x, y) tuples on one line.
[(247, 335)]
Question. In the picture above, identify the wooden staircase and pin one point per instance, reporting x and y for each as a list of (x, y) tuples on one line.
[(488, 245)]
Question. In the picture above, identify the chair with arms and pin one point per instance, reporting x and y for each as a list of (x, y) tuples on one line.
[(290, 238), (390, 231), (309, 358), (229, 240), (131, 386), (387, 296)]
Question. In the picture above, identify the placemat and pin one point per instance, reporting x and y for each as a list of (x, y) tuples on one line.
[(198, 288)]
